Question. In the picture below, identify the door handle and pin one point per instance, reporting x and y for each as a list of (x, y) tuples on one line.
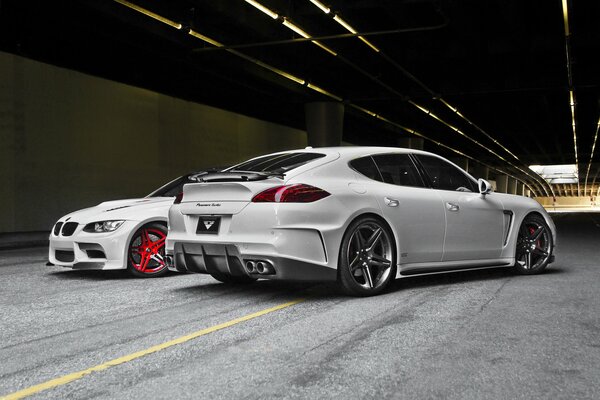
[(391, 202), (452, 207)]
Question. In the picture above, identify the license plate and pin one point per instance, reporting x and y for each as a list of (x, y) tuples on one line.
[(208, 225)]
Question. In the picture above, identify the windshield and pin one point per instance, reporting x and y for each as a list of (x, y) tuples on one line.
[(278, 163)]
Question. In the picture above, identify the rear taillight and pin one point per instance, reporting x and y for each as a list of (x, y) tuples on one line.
[(178, 198), (299, 193)]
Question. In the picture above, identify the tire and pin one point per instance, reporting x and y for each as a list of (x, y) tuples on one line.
[(534, 246), (146, 251), (236, 280), (367, 264)]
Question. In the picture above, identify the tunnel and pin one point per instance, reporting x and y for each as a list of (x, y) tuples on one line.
[(138, 136)]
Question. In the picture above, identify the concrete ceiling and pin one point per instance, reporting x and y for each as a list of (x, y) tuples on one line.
[(501, 63)]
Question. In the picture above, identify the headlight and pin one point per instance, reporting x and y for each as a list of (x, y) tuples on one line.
[(102, 226)]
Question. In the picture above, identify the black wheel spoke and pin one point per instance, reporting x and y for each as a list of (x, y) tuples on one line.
[(367, 274), (355, 264), (369, 255), (373, 239), (379, 261), (537, 233)]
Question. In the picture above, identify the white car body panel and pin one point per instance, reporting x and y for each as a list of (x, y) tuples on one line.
[(305, 238), (135, 213)]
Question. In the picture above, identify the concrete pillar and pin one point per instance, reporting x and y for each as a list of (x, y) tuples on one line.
[(511, 186), (411, 143), (324, 123), (479, 171), (502, 183)]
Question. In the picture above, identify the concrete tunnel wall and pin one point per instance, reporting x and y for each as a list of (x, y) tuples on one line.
[(70, 140)]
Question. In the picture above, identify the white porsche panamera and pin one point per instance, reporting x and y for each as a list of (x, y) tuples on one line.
[(359, 215), (122, 234)]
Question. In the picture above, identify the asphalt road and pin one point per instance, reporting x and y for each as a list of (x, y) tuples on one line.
[(470, 335)]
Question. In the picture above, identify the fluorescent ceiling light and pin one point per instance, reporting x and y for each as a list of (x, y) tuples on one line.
[(327, 49), (150, 14), (262, 8), (323, 91), (322, 6), (290, 25), (371, 45), (343, 23), (565, 16), (205, 38)]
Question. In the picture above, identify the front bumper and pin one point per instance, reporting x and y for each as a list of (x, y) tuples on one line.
[(83, 250), (227, 259)]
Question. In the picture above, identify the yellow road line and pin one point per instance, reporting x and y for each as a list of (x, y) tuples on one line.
[(63, 380)]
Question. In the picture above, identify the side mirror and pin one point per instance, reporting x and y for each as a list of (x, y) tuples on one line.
[(484, 186)]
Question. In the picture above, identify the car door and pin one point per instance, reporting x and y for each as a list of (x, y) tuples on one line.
[(474, 223), (416, 212)]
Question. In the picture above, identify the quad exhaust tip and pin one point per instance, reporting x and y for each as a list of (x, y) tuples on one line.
[(250, 267), (260, 266)]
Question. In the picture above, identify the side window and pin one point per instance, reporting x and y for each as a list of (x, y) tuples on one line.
[(446, 176), (367, 167), (398, 169)]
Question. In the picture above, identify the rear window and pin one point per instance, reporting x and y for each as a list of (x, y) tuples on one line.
[(367, 167), (280, 163)]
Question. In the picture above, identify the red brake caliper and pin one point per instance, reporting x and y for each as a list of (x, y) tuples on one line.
[(531, 232), (149, 250)]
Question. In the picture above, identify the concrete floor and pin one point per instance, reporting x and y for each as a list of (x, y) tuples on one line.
[(471, 335)]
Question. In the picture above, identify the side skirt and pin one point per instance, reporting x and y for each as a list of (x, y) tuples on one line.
[(454, 266)]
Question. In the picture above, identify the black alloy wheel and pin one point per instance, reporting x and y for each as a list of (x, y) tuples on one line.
[(534, 246), (367, 262)]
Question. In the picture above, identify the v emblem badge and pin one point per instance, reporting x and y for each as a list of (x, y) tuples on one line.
[(208, 224)]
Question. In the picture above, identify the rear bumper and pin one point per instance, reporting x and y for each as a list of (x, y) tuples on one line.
[(227, 259)]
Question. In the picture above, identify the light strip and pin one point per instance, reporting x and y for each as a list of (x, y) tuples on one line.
[(278, 71), (297, 80), (371, 45), (587, 174), (565, 9), (205, 38), (262, 8), (290, 25), (348, 27), (457, 130), (287, 23), (327, 49), (414, 132), (322, 6), (457, 112), (150, 14), (343, 23), (323, 91), (574, 127)]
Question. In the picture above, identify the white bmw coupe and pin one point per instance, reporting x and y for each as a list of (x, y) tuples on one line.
[(359, 215), (122, 234)]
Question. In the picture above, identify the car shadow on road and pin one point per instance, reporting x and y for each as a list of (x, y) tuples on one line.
[(463, 277), (330, 290), (98, 275)]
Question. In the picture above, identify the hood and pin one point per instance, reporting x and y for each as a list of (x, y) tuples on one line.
[(129, 209)]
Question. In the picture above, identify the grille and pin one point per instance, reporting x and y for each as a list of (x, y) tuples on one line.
[(57, 228), (65, 255), (95, 254), (69, 228)]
